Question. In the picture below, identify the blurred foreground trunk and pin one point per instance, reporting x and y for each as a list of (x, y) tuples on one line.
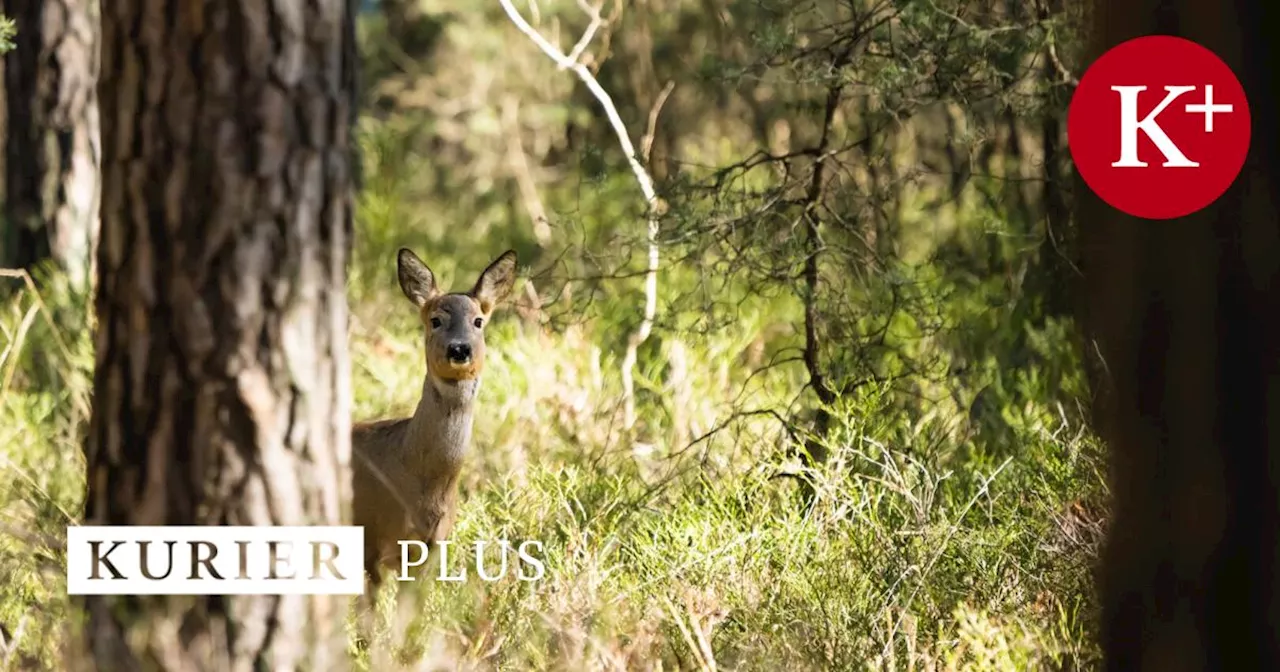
[(221, 388), (52, 147), (1186, 314)]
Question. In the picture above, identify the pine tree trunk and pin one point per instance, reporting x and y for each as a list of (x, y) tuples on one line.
[(1187, 316), (221, 393), (52, 148)]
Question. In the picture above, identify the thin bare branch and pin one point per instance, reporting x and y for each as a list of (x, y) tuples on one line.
[(645, 328), (646, 142), (587, 35)]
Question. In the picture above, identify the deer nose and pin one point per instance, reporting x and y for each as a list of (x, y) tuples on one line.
[(458, 353)]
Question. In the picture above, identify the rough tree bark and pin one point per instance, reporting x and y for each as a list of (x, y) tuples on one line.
[(221, 387), (52, 148), (1187, 316)]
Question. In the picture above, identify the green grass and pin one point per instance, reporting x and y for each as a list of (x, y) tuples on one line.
[(655, 556), (954, 530), (681, 545)]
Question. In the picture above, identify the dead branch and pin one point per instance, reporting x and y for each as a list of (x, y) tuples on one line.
[(571, 62)]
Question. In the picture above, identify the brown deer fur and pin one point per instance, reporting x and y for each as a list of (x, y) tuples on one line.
[(406, 469)]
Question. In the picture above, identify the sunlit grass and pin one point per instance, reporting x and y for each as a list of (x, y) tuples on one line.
[(682, 544)]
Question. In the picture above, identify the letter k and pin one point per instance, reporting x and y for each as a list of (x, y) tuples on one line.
[(101, 559), (1130, 125)]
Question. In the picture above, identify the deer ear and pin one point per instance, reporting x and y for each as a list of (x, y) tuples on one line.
[(416, 280), (494, 285)]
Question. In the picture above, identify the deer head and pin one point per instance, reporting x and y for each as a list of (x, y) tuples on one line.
[(455, 321)]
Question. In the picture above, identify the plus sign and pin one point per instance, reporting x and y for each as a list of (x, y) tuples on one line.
[(1208, 108)]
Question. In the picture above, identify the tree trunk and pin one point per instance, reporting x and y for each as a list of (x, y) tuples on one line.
[(52, 148), (1187, 316), (221, 393)]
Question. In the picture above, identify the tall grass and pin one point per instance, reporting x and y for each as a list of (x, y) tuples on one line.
[(683, 545)]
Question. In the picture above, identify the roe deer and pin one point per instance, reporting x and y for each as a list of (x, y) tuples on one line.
[(406, 470)]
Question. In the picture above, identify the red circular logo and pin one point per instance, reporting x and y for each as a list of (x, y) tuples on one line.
[(1158, 127)]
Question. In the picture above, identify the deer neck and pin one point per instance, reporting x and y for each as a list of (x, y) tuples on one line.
[(440, 430)]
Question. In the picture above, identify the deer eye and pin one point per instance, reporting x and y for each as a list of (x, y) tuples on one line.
[(479, 322), (435, 323)]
